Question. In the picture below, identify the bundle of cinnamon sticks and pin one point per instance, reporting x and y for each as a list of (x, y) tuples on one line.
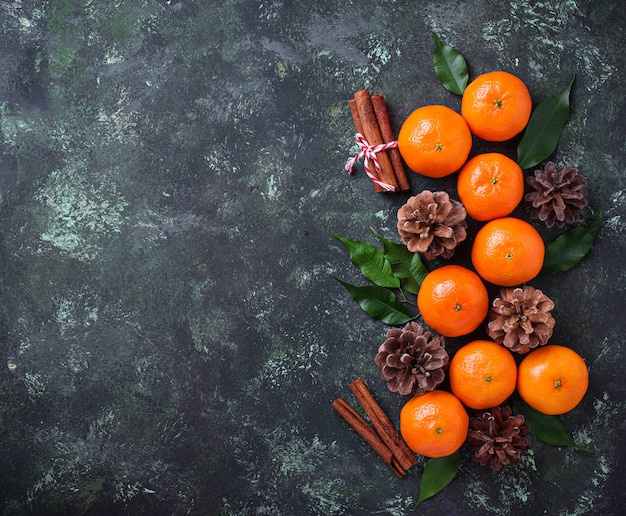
[(381, 435), (371, 119)]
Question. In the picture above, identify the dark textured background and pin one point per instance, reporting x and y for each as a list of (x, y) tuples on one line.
[(170, 175)]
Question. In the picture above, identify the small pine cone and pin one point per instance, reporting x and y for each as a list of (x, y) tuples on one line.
[(497, 437), (410, 361), (521, 319), (557, 194), (432, 224)]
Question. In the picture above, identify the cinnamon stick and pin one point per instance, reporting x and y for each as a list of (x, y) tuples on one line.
[(358, 126), (383, 425), (354, 111), (386, 131), (360, 426), (371, 131)]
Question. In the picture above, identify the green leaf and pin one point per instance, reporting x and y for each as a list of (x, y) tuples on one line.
[(407, 266), (548, 429), (379, 303), (569, 248), (438, 473), (544, 129), (371, 261), (450, 67)]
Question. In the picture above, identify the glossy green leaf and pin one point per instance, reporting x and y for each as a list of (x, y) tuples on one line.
[(371, 261), (544, 129), (450, 67), (569, 248), (379, 303), (438, 473), (407, 266), (548, 429)]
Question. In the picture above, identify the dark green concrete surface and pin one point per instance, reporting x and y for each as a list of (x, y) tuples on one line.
[(170, 173)]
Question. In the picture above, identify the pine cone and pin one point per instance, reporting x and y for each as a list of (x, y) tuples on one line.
[(432, 224), (558, 194), (410, 361), (498, 437), (520, 319)]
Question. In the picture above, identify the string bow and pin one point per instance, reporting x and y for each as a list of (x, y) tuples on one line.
[(369, 152)]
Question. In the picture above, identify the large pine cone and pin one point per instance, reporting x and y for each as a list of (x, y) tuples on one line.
[(432, 224), (521, 319), (497, 437), (410, 361), (557, 194)]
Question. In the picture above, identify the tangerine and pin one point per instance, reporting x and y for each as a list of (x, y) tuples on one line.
[(434, 141), (453, 300), (508, 251), (434, 424), (552, 379), (496, 106), (482, 374), (490, 186)]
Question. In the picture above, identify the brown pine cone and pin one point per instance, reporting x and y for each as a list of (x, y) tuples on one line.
[(557, 194), (521, 319), (410, 361), (432, 224), (497, 437)]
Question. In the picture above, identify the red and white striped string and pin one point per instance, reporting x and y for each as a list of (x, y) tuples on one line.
[(369, 152)]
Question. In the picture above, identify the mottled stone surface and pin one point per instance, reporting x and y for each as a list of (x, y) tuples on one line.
[(170, 175)]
